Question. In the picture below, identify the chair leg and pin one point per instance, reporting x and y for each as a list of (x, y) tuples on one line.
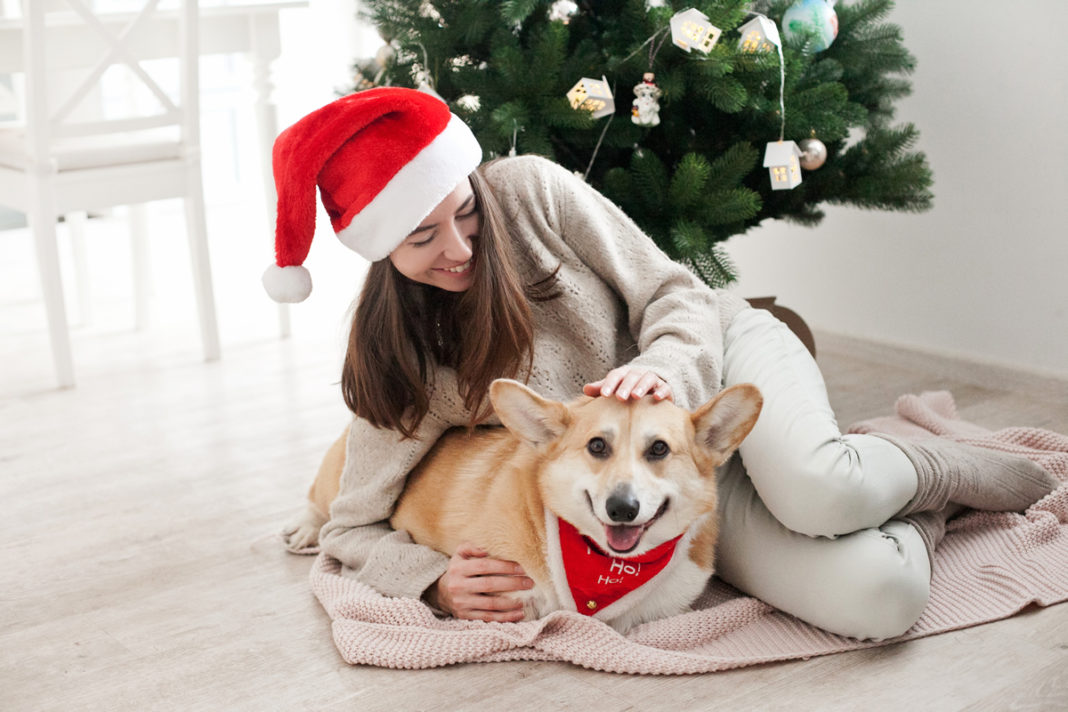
[(285, 329), (196, 227), (42, 219), (76, 227), (139, 257)]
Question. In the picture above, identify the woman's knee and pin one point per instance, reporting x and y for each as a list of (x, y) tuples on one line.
[(842, 485), (819, 500), (890, 586)]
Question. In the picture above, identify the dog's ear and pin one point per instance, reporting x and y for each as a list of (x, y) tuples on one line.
[(533, 418), (722, 423)]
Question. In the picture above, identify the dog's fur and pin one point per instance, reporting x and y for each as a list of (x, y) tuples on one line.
[(498, 487)]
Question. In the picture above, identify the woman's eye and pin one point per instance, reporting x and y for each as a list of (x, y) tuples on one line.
[(597, 447), (422, 242), (658, 450), (468, 218)]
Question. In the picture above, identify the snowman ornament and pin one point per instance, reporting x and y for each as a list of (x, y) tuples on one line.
[(646, 109)]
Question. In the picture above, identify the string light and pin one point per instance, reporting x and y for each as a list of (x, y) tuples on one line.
[(592, 95), (692, 29)]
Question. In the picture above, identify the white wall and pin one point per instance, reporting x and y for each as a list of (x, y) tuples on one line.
[(319, 46), (984, 275)]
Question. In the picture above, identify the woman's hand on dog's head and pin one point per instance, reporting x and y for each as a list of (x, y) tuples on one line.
[(628, 382), (472, 587)]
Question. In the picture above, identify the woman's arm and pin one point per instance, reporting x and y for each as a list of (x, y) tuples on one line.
[(672, 316), (377, 463)]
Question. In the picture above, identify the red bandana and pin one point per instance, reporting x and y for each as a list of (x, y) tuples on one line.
[(597, 579)]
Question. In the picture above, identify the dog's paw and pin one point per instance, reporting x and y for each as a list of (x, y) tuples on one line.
[(301, 536)]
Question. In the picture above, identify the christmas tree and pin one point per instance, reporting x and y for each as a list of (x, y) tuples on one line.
[(696, 178)]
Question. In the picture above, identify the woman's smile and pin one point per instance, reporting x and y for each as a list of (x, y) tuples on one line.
[(458, 269)]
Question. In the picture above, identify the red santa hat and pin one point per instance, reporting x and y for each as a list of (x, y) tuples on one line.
[(383, 160)]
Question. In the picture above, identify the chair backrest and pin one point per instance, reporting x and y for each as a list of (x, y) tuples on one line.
[(89, 41)]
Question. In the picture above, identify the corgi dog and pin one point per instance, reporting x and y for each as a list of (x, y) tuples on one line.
[(608, 505)]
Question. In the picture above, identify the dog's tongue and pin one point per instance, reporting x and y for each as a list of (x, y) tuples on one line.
[(623, 538)]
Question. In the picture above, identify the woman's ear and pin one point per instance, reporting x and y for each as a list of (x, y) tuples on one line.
[(536, 420), (721, 424)]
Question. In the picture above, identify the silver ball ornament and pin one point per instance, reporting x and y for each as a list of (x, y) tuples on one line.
[(813, 153)]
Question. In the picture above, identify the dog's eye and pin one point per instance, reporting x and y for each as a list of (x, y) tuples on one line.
[(597, 447), (658, 450)]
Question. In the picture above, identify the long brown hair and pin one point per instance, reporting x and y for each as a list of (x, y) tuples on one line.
[(401, 329)]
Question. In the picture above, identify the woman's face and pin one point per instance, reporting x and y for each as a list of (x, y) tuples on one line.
[(439, 251)]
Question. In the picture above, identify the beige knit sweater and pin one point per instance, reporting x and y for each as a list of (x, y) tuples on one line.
[(622, 301)]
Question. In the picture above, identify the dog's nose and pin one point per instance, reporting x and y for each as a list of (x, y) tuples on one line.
[(622, 505)]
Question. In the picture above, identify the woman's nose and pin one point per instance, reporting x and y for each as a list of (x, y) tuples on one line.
[(458, 245)]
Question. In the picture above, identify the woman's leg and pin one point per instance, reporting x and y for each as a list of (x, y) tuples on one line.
[(815, 480), (873, 583), (819, 482)]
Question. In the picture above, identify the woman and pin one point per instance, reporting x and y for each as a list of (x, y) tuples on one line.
[(520, 269)]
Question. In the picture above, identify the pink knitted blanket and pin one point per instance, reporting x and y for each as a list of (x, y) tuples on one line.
[(990, 566)]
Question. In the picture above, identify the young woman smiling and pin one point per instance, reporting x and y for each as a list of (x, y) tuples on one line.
[(519, 269)]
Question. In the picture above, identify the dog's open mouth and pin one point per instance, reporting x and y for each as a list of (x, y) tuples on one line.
[(624, 538)]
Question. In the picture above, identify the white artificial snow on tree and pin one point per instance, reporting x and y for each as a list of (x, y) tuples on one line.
[(469, 102), (562, 11)]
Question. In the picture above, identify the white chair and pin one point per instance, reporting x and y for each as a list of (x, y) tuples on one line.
[(60, 163)]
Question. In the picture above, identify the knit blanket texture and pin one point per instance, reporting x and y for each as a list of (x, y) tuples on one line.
[(989, 566)]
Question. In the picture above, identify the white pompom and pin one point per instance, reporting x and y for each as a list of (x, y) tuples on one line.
[(287, 285)]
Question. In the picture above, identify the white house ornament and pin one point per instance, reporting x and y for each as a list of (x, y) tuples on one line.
[(562, 11), (759, 35), (782, 159), (690, 29), (592, 95), (813, 153), (814, 18), (645, 110)]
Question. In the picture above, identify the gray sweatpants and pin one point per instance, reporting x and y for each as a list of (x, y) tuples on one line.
[(806, 511)]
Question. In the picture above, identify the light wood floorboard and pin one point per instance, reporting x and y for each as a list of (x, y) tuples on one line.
[(141, 568)]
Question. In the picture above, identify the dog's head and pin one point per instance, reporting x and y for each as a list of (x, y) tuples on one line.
[(628, 475)]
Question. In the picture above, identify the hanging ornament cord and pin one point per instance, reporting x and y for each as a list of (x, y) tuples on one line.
[(426, 65), (599, 140), (782, 92), (665, 31), (653, 50)]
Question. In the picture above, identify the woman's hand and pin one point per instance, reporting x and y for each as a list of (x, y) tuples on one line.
[(626, 382), (471, 587)]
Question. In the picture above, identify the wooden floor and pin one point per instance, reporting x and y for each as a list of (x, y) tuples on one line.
[(141, 568)]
